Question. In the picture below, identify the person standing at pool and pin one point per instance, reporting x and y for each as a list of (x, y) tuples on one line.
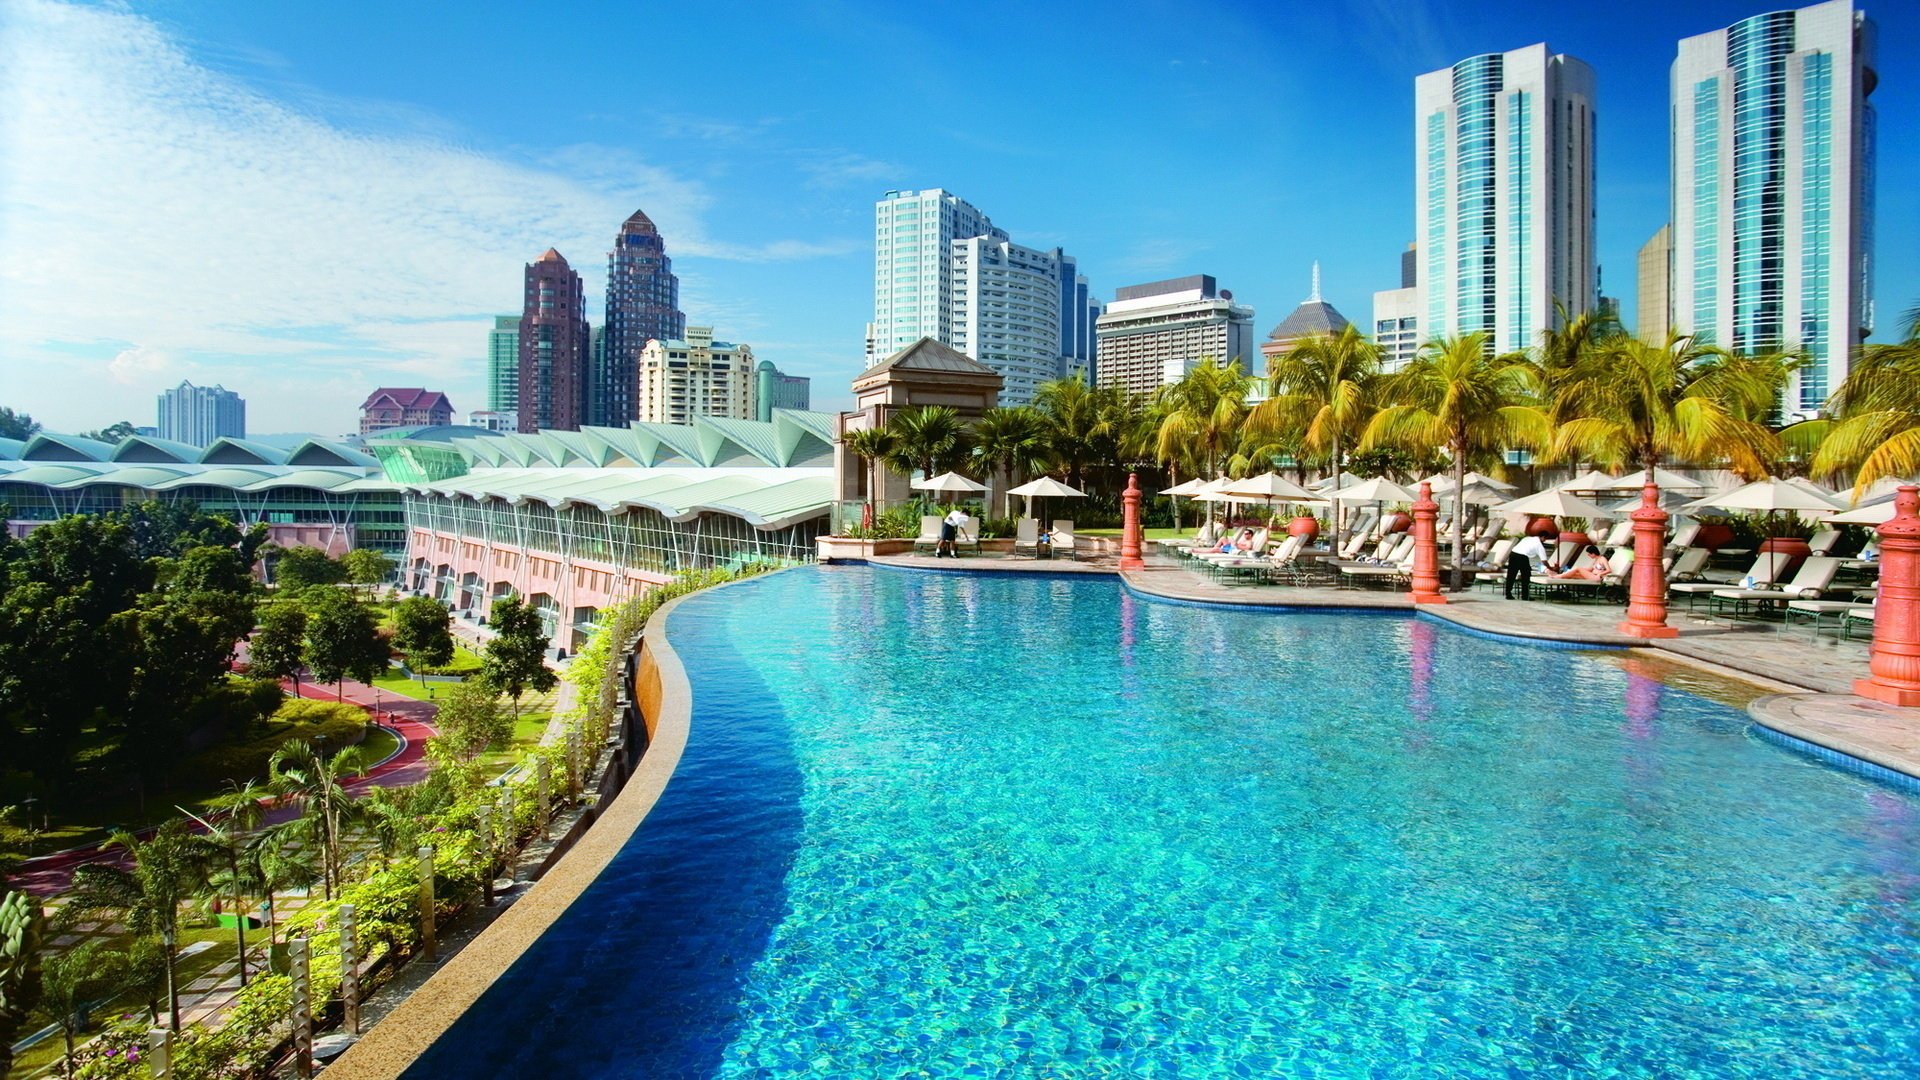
[(1520, 560), (950, 527)]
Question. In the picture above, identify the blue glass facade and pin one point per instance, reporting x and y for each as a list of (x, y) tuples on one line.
[(1706, 204), (1476, 88), (1757, 51), (1816, 221), (1520, 214)]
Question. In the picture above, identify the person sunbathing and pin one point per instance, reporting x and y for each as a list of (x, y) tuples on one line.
[(1242, 544), (1590, 566)]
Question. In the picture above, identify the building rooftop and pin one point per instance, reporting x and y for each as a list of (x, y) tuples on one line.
[(1313, 316), (1203, 282), (408, 397), (928, 355)]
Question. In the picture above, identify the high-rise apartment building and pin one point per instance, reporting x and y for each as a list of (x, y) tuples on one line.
[(503, 364), (1653, 300), (197, 415), (1006, 313), (775, 389), (1773, 152), (913, 240), (1153, 334), (1503, 176), (554, 343), (680, 379), (643, 303)]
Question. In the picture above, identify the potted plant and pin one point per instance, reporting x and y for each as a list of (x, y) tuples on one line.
[(1715, 533)]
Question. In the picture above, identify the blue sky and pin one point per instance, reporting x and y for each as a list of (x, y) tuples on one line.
[(304, 201)]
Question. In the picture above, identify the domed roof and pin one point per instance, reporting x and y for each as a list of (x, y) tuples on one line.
[(1313, 316)]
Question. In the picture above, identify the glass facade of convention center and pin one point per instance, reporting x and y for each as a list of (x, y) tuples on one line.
[(374, 519)]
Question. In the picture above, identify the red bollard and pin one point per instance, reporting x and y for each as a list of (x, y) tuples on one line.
[(1130, 532), (1426, 549), (1895, 661), (1647, 585)]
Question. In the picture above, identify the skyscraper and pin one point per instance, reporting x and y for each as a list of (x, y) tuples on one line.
[(643, 303), (1773, 151), (1653, 312), (913, 235), (1503, 176), (1396, 315), (503, 364), (679, 379), (775, 389), (554, 338), (1005, 302), (197, 415), (1153, 334)]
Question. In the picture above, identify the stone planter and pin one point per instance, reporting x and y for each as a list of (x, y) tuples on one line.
[(1399, 523), (1541, 525), (1305, 525), (832, 549), (1713, 537)]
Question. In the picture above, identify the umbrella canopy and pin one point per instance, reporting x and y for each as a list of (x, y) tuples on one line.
[(1669, 500), (1884, 488), (1767, 495), (1347, 480), (1826, 493), (1048, 487), (1270, 487), (1190, 487), (1555, 503), (951, 483), (1444, 482), (1878, 513), (1378, 489), (1668, 481), (1591, 480)]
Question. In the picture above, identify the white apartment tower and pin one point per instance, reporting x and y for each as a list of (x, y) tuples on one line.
[(913, 235), (1005, 302), (1503, 176), (1773, 150), (1153, 334), (680, 379)]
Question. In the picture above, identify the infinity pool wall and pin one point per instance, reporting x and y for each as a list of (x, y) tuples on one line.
[(966, 826)]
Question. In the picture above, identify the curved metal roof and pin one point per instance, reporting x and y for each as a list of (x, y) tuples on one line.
[(150, 450), (134, 476), (777, 506), (237, 477), (319, 479), (231, 451), (47, 446), (681, 503), (56, 474)]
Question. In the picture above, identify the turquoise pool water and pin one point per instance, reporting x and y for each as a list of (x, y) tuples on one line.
[(942, 825)]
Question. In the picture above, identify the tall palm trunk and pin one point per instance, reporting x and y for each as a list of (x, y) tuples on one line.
[(1336, 510), (1459, 510)]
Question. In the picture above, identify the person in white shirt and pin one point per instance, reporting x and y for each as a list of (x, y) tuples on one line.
[(1520, 561), (950, 527)]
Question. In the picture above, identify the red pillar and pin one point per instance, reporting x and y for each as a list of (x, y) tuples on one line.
[(1426, 549), (1895, 662), (1647, 585), (1130, 530)]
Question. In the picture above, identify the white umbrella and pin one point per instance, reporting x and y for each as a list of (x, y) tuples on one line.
[(1669, 500), (1377, 490), (1668, 481), (1827, 493), (1591, 480), (1189, 487), (1553, 503), (951, 483), (1769, 495), (1884, 488), (1444, 482), (1878, 513), (1347, 480), (1047, 486), (1270, 487)]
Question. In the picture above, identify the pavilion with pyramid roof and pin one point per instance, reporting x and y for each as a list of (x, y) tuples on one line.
[(1313, 316)]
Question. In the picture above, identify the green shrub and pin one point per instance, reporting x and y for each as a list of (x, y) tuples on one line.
[(341, 724)]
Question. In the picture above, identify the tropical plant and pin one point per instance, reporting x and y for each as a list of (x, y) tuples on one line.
[(284, 862), (167, 870), (1633, 403), (1456, 398), (872, 446), (317, 782), (74, 979), (515, 661), (1200, 417), (471, 721), (930, 439), (1010, 443), (1079, 421), (1323, 388), (1875, 433), (278, 649), (224, 841), (367, 567), (20, 986)]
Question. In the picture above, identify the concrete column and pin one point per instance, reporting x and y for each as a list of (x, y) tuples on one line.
[(301, 971), (1895, 661), (1130, 529), (1426, 549), (159, 1051), (349, 972), (427, 943), (1647, 588)]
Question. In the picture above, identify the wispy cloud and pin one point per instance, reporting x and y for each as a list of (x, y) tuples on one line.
[(831, 169), (165, 218), (1159, 256)]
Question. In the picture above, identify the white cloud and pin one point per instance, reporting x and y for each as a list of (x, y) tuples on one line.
[(158, 215)]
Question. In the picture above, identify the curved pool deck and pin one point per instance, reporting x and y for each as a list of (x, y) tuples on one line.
[(752, 958)]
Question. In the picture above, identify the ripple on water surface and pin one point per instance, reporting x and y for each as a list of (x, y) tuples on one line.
[(952, 826)]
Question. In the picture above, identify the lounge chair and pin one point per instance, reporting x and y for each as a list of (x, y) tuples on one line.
[(968, 536), (1689, 564), (1620, 535), (1493, 568), (1062, 539), (1816, 611), (1280, 557), (1824, 541), (1354, 575), (1619, 565), (1684, 537), (1812, 581), (1764, 569), (1855, 616), (929, 532), (1026, 537)]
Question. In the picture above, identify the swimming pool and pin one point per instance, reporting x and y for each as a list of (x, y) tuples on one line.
[(945, 825)]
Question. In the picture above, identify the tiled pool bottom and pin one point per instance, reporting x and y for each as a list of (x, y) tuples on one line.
[(933, 825)]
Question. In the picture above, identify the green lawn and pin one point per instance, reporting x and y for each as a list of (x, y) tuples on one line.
[(1145, 534)]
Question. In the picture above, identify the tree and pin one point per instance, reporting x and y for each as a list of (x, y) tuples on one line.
[(282, 862), (317, 782), (930, 439), (471, 721), (166, 872), (515, 661), (1079, 420), (163, 529), (224, 840), (113, 434), (365, 566), (1628, 402), (422, 629), (17, 425), (1875, 432), (1323, 388), (1457, 398), (873, 446), (343, 640), (74, 979), (279, 648), (1012, 443), (297, 569), (20, 986)]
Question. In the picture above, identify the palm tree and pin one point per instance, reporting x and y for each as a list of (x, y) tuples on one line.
[(1457, 398), (930, 439), (1633, 403), (1201, 416), (318, 782), (1010, 443), (166, 872), (224, 840), (1876, 430), (1323, 389), (871, 445), (1078, 420), (283, 861)]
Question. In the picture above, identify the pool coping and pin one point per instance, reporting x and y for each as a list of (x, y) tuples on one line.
[(392, 1046)]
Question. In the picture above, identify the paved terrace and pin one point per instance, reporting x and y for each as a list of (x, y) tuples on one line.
[(1812, 678)]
